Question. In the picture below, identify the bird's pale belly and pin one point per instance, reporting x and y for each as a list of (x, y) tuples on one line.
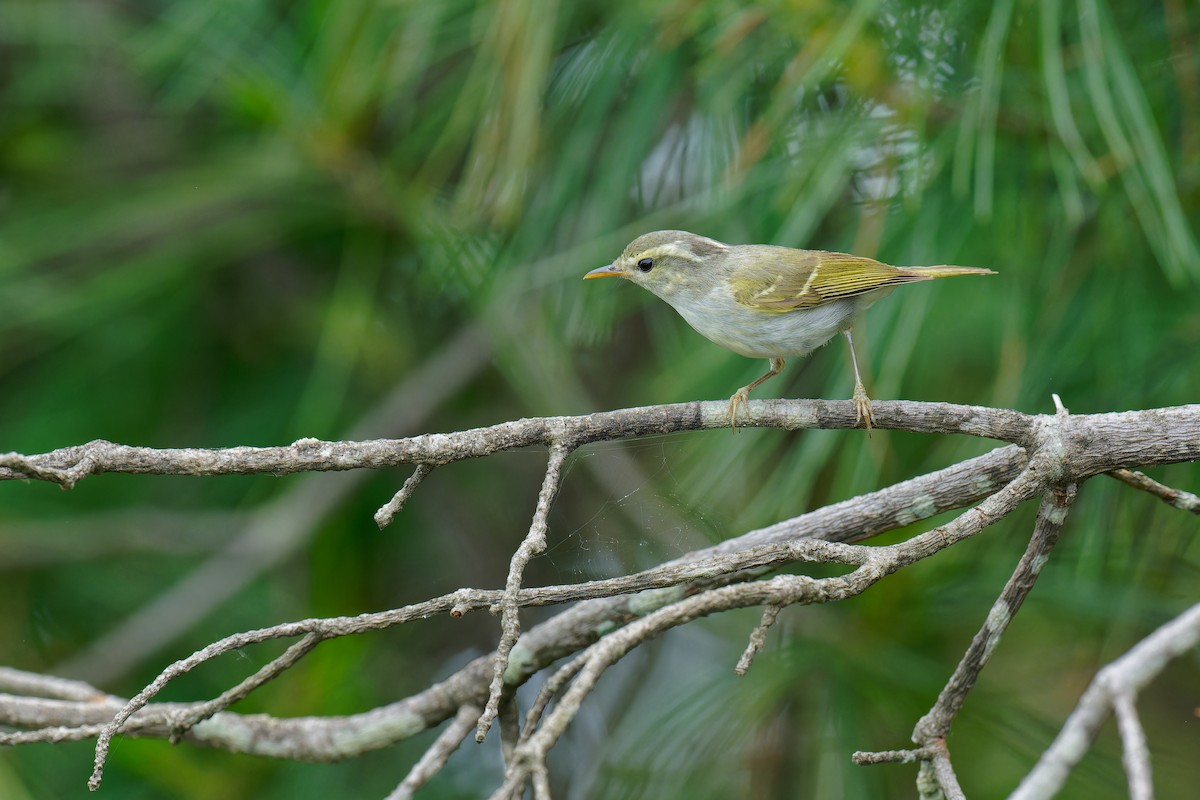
[(758, 334)]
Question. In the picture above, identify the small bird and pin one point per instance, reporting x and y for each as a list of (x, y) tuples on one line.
[(764, 301)]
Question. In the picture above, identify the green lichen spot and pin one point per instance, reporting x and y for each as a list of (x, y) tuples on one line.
[(518, 661), (650, 600), (983, 483), (922, 507)]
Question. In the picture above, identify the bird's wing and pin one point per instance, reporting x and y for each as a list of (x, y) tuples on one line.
[(796, 279)]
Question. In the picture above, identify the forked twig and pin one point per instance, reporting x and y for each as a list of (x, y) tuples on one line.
[(1122, 678), (201, 712)]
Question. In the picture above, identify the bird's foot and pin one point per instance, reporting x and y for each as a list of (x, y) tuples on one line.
[(740, 398), (862, 408)]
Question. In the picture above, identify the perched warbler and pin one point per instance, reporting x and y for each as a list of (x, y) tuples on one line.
[(763, 301)]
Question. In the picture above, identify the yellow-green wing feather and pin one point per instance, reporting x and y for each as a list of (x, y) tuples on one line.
[(786, 280)]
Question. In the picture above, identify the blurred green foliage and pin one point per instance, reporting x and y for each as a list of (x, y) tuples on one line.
[(242, 222)]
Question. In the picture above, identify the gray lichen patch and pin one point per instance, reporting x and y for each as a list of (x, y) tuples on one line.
[(922, 507), (997, 621)]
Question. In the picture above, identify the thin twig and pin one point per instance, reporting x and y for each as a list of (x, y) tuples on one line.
[(758, 638), (21, 682), (533, 544), (438, 753), (1177, 498), (943, 773), (53, 735), (931, 730), (14, 466), (269, 671), (550, 688), (385, 515), (541, 782)]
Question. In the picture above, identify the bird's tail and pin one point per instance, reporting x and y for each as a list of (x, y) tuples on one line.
[(947, 271)]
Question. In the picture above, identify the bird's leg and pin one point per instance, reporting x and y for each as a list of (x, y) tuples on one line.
[(742, 396), (862, 403)]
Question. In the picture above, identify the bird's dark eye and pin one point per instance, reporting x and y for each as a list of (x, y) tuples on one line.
[(646, 264)]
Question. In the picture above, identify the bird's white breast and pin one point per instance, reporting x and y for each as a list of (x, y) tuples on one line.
[(764, 334)]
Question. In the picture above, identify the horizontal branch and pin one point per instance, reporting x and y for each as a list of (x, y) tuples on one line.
[(69, 465), (1098, 442)]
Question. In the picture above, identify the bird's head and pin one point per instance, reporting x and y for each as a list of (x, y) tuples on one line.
[(667, 262)]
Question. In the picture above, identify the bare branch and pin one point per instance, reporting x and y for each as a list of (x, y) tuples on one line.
[(935, 779), (810, 549), (1052, 513), (69, 465), (541, 782), (268, 672), (1184, 501), (19, 467), (1062, 450), (553, 685), (185, 722), (1131, 438), (943, 775), (438, 753), (52, 735)]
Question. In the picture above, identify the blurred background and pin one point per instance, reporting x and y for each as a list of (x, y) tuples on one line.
[(241, 222)]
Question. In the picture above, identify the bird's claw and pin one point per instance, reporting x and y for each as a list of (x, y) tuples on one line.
[(740, 398), (862, 408)]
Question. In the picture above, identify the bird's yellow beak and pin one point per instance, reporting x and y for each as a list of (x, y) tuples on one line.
[(607, 271)]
